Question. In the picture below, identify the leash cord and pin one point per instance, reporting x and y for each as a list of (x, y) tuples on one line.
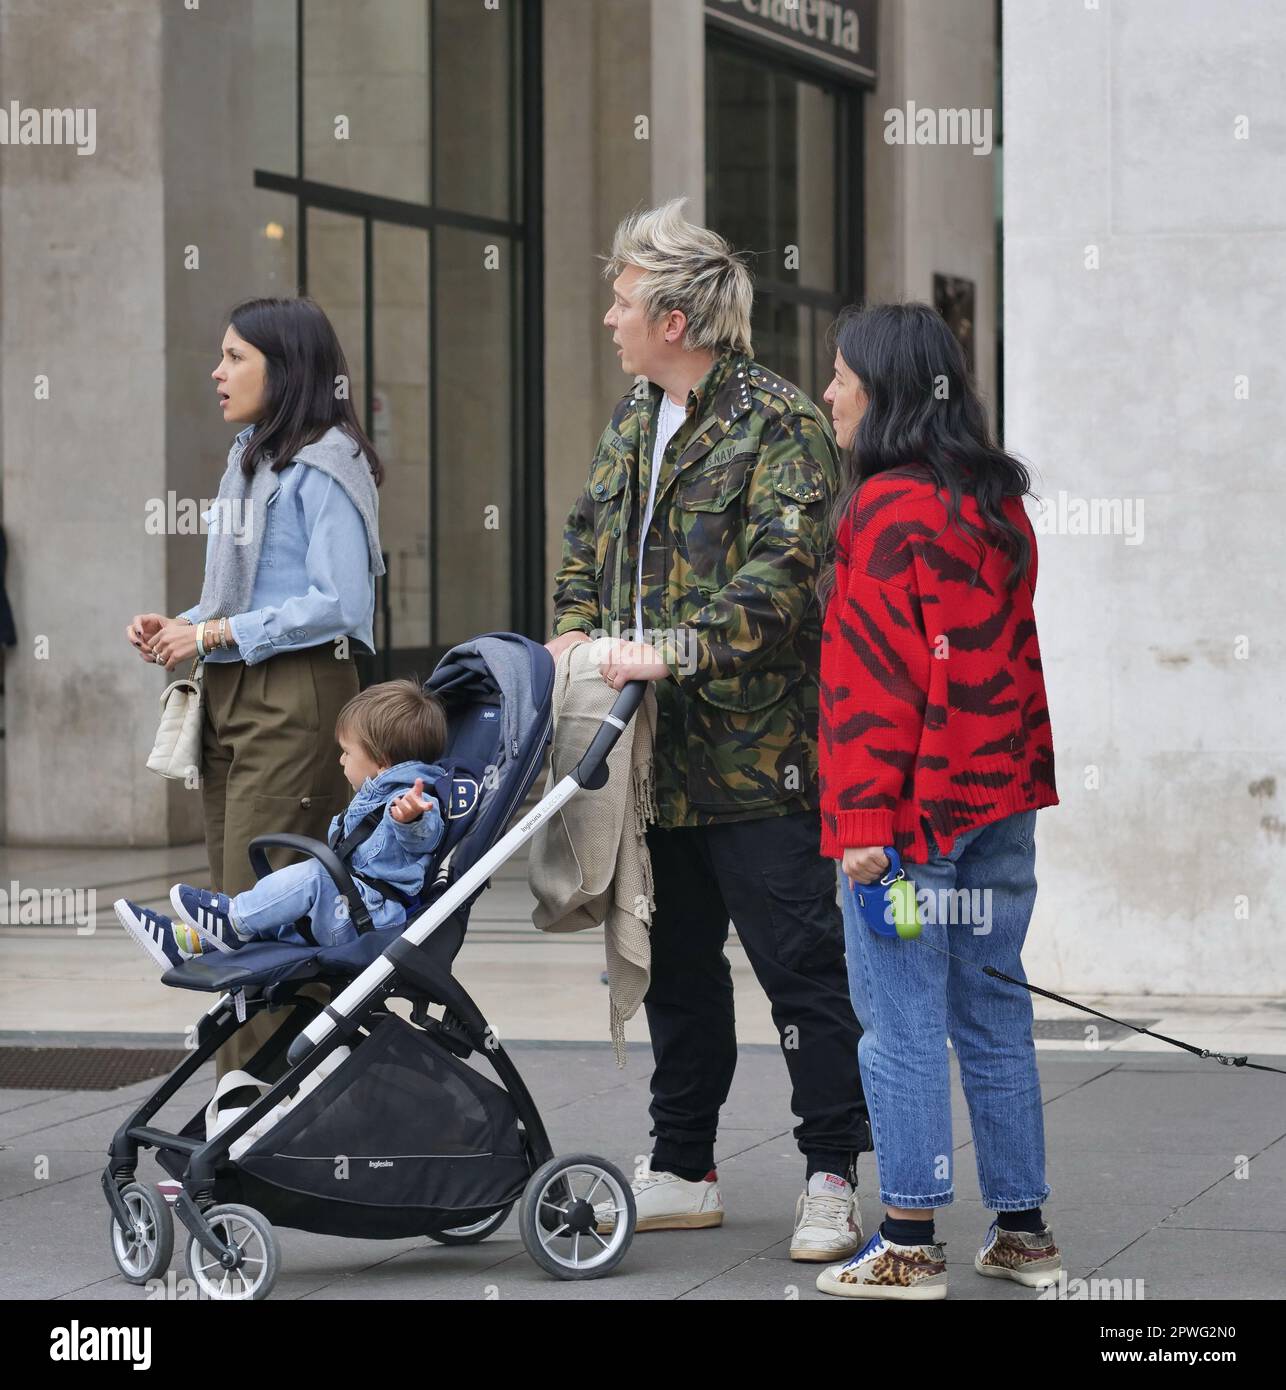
[(1223, 1058)]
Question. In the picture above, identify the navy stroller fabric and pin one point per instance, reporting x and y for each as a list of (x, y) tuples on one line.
[(426, 1142), (497, 679)]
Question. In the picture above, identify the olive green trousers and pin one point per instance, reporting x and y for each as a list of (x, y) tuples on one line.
[(269, 762)]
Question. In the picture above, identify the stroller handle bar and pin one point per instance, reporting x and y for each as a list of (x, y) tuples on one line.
[(590, 772)]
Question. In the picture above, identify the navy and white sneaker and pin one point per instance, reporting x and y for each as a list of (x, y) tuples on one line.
[(154, 933), (208, 914)]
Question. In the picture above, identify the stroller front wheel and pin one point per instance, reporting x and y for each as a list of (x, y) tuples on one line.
[(257, 1256), (143, 1252), (558, 1220)]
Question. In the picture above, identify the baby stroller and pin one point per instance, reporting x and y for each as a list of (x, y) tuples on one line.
[(402, 1137)]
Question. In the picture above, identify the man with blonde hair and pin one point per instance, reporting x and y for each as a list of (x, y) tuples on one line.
[(700, 531)]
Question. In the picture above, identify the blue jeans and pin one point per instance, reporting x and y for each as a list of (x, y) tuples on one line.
[(975, 902), (270, 909)]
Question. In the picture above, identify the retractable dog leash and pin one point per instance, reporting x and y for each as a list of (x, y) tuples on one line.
[(888, 905), (889, 908)]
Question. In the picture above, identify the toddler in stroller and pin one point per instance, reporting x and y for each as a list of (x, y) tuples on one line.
[(390, 736), (374, 1116)]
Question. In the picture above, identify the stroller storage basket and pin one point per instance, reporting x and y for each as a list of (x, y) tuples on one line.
[(401, 1139)]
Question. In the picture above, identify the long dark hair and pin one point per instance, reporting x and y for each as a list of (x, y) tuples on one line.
[(924, 417), (304, 362)]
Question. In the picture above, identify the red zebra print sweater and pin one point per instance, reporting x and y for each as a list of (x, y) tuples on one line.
[(933, 709)]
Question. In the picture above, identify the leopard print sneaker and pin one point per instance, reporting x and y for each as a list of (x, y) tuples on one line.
[(1026, 1258), (884, 1270)]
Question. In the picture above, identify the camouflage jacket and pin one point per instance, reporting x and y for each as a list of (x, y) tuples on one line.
[(730, 564)]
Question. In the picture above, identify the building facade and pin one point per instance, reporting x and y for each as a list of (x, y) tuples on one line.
[(444, 177), (1145, 235)]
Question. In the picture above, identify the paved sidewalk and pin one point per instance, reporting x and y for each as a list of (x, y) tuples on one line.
[(1143, 1159), (1165, 1168)]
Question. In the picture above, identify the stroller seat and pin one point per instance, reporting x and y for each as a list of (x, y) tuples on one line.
[(265, 963)]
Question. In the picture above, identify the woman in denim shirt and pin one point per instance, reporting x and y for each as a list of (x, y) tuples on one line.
[(291, 559)]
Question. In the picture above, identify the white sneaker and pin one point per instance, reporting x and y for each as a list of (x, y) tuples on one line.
[(667, 1202), (828, 1220)]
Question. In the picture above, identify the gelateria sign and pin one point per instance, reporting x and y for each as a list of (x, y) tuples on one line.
[(836, 34)]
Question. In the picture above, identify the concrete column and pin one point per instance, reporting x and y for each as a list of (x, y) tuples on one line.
[(98, 301), (932, 207), (678, 104), (596, 84), (84, 302), (1145, 221)]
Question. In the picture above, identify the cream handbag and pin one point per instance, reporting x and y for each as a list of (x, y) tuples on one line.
[(177, 750), (221, 1111)]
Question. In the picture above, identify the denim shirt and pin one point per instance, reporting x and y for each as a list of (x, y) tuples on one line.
[(314, 582), (396, 852)]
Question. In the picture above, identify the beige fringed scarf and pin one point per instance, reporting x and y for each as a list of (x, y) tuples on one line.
[(589, 864)]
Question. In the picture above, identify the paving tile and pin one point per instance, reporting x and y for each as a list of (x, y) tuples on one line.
[(1140, 1153), (1253, 1202), (1203, 1264), (1149, 1109)]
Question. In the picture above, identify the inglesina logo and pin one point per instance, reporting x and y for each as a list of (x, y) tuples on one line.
[(380, 1163)]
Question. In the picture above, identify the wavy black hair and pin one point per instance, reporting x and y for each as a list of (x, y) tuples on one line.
[(924, 417), (304, 363)]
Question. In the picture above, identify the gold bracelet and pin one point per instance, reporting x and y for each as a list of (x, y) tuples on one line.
[(224, 633)]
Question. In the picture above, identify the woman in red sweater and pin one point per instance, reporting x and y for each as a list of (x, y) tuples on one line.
[(935, 741)]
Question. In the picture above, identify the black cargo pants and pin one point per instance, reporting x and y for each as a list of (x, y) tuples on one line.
[(768, 876)]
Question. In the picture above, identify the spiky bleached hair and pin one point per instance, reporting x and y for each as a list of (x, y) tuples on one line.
[(688, 268)]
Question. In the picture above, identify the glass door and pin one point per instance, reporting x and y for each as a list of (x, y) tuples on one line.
[(783, 183), (415, 145)]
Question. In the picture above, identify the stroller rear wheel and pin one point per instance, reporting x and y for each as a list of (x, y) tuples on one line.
[(558, 1222), (478, 1230), (256, 1256), (143, 1252)]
